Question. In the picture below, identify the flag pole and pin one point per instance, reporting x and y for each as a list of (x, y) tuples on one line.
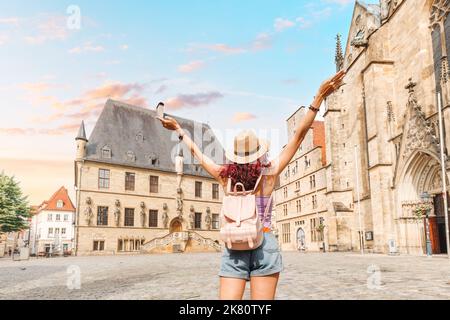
[(444, 174)]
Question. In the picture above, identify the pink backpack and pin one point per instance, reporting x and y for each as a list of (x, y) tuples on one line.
[(241, 226)]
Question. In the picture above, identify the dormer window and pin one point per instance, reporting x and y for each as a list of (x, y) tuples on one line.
[(131, 157), (140, 137), (59, 204), (153, 159), (106, 152)]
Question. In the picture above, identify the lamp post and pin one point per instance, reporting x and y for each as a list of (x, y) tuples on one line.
[(425, 197), (361, 231), (443, 172), (322, 224)]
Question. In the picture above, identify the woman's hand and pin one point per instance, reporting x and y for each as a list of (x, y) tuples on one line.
[(329, 86), (169, 123), (304, 126), (213, 169)]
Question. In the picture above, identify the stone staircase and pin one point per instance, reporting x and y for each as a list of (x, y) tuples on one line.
[(178, 242)]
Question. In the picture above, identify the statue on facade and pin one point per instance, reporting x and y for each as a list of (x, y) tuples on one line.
[(117, 213), (208, 219), (88, 211), (143, 215), (165, 216), (88, 214), (165, 219), (179, 202), (192, 217)]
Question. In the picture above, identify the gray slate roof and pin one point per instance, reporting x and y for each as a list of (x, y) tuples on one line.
[(137, 139)]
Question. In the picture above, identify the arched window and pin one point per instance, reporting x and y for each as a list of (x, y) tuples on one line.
[(59, 204)]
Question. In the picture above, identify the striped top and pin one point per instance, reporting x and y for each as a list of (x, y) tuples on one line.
[(261, 204)]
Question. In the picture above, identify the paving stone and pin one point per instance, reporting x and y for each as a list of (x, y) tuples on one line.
[(194, 277)]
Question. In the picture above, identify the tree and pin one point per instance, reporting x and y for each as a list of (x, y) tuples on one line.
[(14, 209)]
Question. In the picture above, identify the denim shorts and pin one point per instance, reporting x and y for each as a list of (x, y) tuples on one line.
[(263, 261)]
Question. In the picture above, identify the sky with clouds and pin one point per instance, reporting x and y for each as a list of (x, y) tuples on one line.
[(233, 64)]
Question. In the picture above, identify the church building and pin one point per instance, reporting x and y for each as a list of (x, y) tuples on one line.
[(382, 129)]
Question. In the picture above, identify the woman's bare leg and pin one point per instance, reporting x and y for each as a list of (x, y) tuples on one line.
[(231, 288), (264, 288)]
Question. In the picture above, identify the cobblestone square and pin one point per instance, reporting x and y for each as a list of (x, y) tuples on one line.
[(194, 276)]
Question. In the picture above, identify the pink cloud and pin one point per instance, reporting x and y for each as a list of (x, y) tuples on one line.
[(263, 41), (91, 102), (12, 21), (340, 2), (243, 116), (86, 47), (193, 100), (217, 47), (51, 28), (3, 39), (161, 89), (63, 129), (36, 87), (283, 24), (223, 48), (16, 131), (113, 90), (191, 66), (303, 23)]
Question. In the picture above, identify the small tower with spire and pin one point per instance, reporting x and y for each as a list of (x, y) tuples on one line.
[(81, 142), (339, 57)]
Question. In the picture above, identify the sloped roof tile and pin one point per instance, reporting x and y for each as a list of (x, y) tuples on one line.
[(60, 194)]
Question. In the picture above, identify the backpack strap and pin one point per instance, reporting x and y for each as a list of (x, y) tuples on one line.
[(260, 178), (229, 191)]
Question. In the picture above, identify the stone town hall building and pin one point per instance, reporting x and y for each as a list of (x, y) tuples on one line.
[(136, 192), (396, 59)]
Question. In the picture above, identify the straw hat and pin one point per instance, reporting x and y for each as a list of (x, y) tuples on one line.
[(247, 148)]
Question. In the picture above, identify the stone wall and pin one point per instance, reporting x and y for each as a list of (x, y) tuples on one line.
[(164, 201), (369, 111)]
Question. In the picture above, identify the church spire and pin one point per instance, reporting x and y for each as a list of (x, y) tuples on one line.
[(339, 57)]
